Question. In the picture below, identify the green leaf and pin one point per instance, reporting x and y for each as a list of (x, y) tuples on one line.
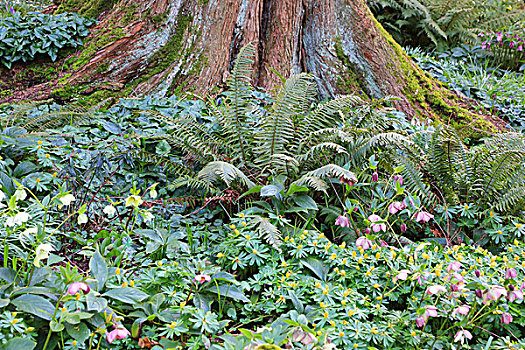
[(19, 344), (99, 268), (306, 202), (229, 291), (4, 302), (254, 189), (95, 303), (296, 188), (127, 295), (78, 332), (298, 304), (55, 326), (271, 190), (36, 305), (317, 267)]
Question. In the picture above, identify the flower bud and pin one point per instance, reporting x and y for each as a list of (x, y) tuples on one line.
[(477, 273), (511, 287), (403, 227), (454, 287), (375, 177), (479, 293)]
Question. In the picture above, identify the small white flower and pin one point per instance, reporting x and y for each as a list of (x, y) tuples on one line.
[(110, 210), (20, 194), (10, 221), (147, 215), (82, 219), (42, 252), (153, 193), (134, 201), (17, 220), (27, 233), (67, 199), (21, 217)]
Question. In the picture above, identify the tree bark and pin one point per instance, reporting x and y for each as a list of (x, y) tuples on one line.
[(176, 45)]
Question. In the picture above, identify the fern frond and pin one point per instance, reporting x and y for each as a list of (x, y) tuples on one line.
[(223, 171), (269, 232)]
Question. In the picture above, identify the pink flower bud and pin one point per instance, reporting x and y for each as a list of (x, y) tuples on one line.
[(75, 287)]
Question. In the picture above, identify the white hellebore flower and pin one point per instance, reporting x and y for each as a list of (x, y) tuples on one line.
[(28, 232), (147, 215), (109, 210), (134, 201), (42, 252), (20, 194), (67, 199), (82, 219), (153, 193), (18, 219)]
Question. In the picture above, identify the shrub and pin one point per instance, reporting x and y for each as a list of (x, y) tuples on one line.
[(23, 37)]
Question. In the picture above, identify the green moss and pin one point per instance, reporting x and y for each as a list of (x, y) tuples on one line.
[(348, 80), (90, 8), (431, 99)]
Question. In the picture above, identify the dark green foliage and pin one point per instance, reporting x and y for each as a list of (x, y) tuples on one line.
[(443, 23), (23, 37)]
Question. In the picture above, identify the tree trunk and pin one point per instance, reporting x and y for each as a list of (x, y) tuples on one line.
[(167, 46)]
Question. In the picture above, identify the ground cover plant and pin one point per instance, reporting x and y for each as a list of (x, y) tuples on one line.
[(257, 220)]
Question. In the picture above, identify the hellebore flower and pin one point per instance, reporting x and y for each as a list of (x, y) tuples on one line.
[(77, 286), (306, 338), (376, 227), (494, 293), (363, 242), (477, 273), (462, 335), (67, 199), (506, 318), (455, 266), (350, 182), (435, 289), (423, 216), (462, 310), (403, 227), (420, 321), (202, 278), (511, 273), (431, 311), (118, 333), (401, 275), (515, 294), (109, 210), (395, 207), (375, 177), (42, 253), (398, 178), (342, 221)]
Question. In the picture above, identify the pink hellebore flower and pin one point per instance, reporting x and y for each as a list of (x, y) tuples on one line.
[(420, 321), (402, 275), (462, 335), (494, 293), (511, 273), (455, 266), (342, 221), (395, 207), (202, 278), (398, 178), (75, 287), (363, 242), (500, 37), (520, 48), (376, 227), (515, 294), (118, 333), (435, 289), (431, 311), (462, 310), (506, 318), (423, 216)]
